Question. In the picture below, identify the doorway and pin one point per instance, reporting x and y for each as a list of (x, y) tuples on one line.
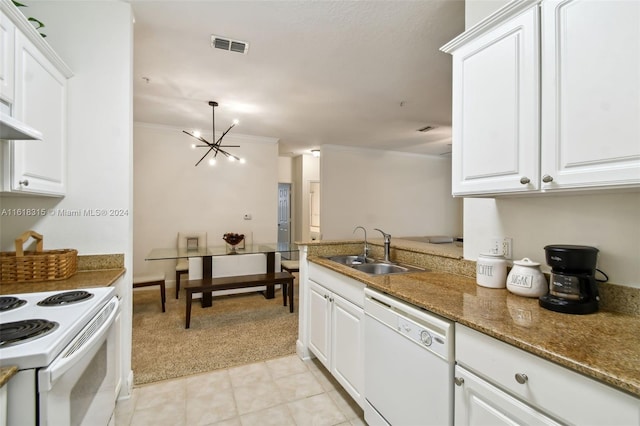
[(284, 213)]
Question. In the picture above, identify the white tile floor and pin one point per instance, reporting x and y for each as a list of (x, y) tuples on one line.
[(283, 391)]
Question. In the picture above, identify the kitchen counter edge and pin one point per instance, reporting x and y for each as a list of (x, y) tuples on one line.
[(81, 279)]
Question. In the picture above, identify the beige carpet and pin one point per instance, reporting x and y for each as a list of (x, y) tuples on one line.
[(236, 330)]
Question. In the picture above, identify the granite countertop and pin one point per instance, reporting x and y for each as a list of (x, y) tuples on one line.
[(81, 279), (7, 373), (604, 345)]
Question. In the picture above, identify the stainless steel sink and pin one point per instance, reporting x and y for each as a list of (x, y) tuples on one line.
[(372, 266), (380, 268), (350, 260)]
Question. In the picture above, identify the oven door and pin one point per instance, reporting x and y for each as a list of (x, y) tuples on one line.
[(78, 387)]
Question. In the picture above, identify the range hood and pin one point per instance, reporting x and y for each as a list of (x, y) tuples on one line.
[(12, 129)]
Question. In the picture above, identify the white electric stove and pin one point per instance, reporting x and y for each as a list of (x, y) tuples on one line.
[(60, 341)]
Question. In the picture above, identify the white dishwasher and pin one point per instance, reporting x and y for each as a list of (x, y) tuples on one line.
[(409, 364)]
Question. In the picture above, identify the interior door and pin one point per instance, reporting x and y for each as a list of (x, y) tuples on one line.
[(284, 213)]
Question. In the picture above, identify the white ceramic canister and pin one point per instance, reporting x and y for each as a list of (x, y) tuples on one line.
[(491, 270), (526, 279)]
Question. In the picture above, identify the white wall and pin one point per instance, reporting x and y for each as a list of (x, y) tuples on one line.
[(610, 222), (476, 10), (402, 194), (172, 195), (285, 169), (95, 38)]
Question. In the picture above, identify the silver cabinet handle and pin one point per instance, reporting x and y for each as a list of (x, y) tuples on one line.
[(547, 178), (521, 378), (524, 180), (458, 381), (24, 182)]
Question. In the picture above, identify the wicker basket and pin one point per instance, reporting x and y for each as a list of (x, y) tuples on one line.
[(39, 265)]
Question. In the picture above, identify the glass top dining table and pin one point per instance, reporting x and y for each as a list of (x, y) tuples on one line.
[(183, 253)]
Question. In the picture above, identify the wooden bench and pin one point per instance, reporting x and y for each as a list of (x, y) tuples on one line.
[(149, 280), (240, 281)]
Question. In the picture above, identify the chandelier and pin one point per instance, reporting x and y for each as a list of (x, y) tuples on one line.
[(216, 147)]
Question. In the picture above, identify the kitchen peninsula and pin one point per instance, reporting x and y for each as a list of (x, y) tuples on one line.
[(604, 346)]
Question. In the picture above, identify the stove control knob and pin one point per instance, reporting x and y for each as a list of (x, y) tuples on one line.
[(425, 337)]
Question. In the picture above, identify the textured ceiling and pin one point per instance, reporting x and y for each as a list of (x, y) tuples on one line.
[(360, 73)]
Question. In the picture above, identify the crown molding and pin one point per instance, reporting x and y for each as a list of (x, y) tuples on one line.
[(503, 14), (22, 24)]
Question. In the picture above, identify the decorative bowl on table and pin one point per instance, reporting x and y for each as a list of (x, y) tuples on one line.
[(233, 240)]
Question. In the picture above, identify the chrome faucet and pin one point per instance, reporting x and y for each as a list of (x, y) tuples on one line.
[(366, 246), (387, 244)]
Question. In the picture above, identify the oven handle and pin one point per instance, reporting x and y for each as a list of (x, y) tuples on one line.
[(63, 363)]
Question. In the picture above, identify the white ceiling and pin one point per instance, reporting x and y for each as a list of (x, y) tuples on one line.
[(360, 73)]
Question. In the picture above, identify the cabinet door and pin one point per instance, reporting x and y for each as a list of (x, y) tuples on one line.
[(319, 322), (7, 34), (347, 343), (479, 403), (496, 109), (591, 93), (40, 102)]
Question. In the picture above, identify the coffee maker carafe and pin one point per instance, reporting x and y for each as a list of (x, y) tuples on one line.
[(572, 286)]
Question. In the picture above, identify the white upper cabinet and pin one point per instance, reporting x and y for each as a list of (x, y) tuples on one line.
[(590, 93), (37, 98), (546, 96), (495, 109), (7, 37)]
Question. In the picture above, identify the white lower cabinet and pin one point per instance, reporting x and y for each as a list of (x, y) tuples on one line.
[(336, 331), (478, 402), (497, 383), (347, 346)]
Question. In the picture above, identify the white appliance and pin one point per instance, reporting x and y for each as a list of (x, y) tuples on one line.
[(67, 372), (409, 364)]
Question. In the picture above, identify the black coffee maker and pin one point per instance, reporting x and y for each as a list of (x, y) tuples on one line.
[(573, 287)]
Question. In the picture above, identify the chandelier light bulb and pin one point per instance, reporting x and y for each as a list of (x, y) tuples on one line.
[(212, 161), (193, 146), (236, 121), (196, 133), (242, 161)]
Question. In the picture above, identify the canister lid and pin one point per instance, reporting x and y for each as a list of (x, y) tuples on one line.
[(526, 262), (493, 255)]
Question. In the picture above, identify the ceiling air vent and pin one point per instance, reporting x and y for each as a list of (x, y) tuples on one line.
[(229, 45)]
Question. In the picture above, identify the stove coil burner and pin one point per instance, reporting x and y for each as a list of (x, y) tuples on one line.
[(13, 333), (65, 298), (9, 302)]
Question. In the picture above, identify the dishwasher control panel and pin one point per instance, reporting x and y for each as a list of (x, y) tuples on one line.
[(422, 335)]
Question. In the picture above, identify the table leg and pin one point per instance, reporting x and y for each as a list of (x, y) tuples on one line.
[(188, 313), (271, 267), (290, 288), (207, 297)]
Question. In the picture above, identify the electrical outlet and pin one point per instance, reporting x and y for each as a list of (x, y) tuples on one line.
[(502, 246), (495, 246), (506, 247)]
